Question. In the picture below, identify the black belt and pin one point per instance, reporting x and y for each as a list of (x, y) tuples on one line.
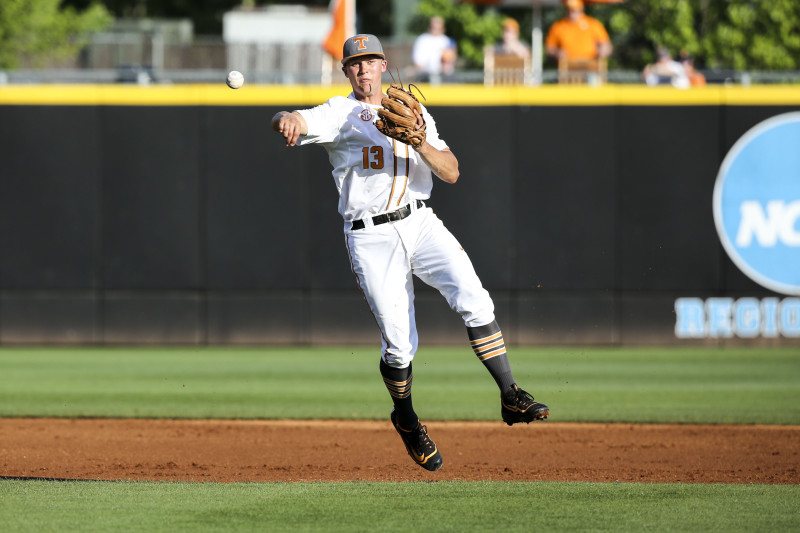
[(399, 214)]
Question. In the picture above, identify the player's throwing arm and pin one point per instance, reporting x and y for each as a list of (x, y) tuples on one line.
[(290, 125)]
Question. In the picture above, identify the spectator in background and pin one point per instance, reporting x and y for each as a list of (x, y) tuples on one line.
[(665, 71), (577, 36), (696, 79), (434, 53), (510, 44)]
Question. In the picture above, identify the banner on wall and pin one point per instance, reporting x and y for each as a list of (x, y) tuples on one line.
[(756, 207)]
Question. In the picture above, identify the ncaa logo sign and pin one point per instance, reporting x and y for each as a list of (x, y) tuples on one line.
[(757, 203), (757, 215)]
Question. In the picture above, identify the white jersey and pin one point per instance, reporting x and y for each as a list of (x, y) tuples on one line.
[(373, 173)]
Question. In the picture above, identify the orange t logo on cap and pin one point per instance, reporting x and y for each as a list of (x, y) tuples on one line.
[(361, 42)]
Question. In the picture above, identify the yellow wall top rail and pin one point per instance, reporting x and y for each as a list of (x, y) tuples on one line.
[(439, 95)]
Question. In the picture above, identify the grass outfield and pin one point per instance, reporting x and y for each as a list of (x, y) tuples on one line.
[(580, 384), (442, 506), (691, 385)]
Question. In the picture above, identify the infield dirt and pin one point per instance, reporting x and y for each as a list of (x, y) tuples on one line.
[(340, 450)]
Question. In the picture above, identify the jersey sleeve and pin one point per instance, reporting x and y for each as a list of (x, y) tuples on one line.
[(431, 132), (323, 124)]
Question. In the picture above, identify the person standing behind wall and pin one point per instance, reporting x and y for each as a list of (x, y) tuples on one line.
[(510, 43), (696, 78), (434, 53), (577, 37), (666, 71)]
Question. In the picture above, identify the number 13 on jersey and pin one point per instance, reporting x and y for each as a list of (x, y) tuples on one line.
[(372, 157)]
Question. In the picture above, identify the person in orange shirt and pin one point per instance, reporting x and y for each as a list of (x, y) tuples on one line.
[(577, 36)]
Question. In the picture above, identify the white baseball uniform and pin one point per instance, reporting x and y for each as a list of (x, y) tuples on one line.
[(374, 175)]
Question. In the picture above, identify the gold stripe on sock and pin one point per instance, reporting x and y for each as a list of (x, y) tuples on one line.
[(399, 389), (488, 347), (495, 353), (478, 342)]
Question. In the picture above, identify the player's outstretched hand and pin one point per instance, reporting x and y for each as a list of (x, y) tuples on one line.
[(290, 126)]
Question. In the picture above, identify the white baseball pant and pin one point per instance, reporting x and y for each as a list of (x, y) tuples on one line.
[(385, 256)]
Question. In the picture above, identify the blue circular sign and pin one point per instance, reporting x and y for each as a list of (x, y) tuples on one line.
[(757, 203)]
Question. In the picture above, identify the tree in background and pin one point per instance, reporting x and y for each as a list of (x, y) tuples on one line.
[(40, 30), (749, 35), (720, 34), (638, 28)]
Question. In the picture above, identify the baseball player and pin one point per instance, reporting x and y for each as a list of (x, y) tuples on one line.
[(384, 177)]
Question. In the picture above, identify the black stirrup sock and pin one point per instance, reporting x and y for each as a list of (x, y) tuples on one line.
[(398, 383), (488, 344)]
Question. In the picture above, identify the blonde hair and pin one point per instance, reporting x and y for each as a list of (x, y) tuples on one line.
[(511, 23)]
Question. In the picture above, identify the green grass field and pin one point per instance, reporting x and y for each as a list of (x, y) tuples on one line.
[(580, 384), (442, 506), (687, 385)]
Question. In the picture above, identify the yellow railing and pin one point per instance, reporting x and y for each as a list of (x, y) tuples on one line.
[(438, 95)]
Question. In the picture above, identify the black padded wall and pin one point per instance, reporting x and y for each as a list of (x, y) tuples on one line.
[(195, 224)]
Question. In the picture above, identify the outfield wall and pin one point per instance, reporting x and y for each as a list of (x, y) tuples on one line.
[(173, 215)]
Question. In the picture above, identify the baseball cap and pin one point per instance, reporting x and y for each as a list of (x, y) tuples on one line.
[(361, 45), (574, 4)]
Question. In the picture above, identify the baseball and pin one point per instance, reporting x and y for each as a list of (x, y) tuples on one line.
[(235, 79)]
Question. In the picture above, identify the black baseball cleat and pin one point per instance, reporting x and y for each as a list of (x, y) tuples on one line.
[(419, 445), (519, 406)]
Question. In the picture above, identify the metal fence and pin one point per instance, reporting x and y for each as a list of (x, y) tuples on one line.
[(144, 58)]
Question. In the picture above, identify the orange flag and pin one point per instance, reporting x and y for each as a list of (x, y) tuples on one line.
[(343, 27)]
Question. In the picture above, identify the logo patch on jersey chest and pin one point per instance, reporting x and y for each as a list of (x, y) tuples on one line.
[(366, 115)]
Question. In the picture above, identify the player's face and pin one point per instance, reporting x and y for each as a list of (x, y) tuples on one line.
[(365, 74)]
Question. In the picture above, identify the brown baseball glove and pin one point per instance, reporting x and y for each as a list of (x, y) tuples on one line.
[(401, 117)]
